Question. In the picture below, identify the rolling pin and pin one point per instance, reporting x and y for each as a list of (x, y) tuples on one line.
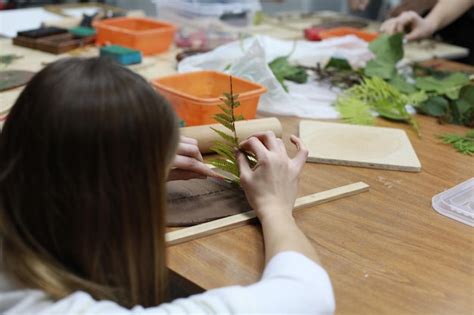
[(245, 128)]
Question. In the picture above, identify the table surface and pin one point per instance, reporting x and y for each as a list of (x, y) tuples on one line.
[(387, 251)]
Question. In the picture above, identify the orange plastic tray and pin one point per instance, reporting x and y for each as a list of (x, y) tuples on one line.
[(195, 95), (343, 31), (147, 35)]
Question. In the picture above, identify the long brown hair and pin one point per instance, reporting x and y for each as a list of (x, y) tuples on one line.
[(84, 154)]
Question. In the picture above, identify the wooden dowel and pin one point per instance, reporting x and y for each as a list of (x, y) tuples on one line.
[(208, 228), (245, 128)]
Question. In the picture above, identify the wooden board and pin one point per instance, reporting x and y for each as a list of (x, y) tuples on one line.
[(204, 229), (363, 146)]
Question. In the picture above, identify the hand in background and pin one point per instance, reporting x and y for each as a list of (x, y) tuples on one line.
[(416, 26), (358, 5), (272, 185), (419, 6), (188, 162)]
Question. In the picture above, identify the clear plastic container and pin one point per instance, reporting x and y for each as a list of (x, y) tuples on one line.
[(457, 202), (208, 24)]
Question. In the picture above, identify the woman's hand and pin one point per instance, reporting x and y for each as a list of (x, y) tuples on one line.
[(358, 5), (188, 162), (272, 185), (418, 27)]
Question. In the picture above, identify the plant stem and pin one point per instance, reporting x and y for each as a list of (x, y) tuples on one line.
[(233, 114)]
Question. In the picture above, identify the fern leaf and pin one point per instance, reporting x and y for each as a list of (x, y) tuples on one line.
[(225, 109), (354, 111), (224, 122), (225, 136), (226, 165), (223, 149)]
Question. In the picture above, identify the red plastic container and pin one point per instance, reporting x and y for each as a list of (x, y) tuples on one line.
[(343, 31), (195, 95), (147, 35)]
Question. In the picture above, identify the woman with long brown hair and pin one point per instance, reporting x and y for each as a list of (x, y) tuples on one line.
[(85, 154)]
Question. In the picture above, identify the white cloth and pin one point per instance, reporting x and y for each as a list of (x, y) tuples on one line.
[(291, 284), (249, 59)]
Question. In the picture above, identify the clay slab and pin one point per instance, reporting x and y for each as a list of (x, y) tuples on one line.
[(362, 146)]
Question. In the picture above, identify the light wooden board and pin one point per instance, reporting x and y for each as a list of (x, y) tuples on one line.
[(363, 146), (204, 229)]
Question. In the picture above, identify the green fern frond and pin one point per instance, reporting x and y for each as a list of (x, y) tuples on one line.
[(354, 111), (462, 144), (226, 165), (226, 137), (376, 94)]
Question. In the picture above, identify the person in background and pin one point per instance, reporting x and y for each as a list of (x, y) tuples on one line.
[(450, 19), (85, 154)]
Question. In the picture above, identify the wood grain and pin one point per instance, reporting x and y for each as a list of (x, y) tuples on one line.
[(387, 251), (231, 222)]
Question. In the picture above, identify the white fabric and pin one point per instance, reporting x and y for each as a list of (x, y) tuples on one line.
[(249, 59), (291, 284)]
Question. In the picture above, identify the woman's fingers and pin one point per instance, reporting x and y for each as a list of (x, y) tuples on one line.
[(255, 146), (244, 167), (188, 140), (269, 139), (302, 154), (191, 150), (185, 163)]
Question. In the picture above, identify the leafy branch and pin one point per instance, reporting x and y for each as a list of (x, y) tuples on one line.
[(375, 94), (229, 145)]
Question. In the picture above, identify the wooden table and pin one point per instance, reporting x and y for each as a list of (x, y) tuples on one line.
[(387, 251)]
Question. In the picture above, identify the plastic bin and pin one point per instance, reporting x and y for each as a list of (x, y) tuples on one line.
[(208, 24), (147, 35), (195, 95), (343, 31)]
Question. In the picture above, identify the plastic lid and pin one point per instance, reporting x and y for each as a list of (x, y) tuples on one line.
[(457, 202)]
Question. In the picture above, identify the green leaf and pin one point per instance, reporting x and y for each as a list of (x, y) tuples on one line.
[(449, 86), (283, 70), (380, 68), (230, 139), (402, 85), (339, 64), (226, 165), (436, 106), (223, 149), (225, 110), (388, 47), (388, 50), (224, 122)]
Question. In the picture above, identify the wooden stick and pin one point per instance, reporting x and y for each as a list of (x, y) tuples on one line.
[(208, 228)]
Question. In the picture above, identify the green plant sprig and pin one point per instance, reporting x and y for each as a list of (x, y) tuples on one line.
[(229, 145), (462, 144), (374, 94)]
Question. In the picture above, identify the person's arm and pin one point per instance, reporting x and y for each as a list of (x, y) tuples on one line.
[(443, 14), (271, 190)]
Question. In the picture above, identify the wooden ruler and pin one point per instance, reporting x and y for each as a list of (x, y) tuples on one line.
[(224, 224)]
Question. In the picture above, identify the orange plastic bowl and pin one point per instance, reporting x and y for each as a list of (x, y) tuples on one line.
[(343, 31), (195, 95), (147, 35)]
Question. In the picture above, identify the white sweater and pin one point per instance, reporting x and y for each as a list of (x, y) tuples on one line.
[(291, 284)]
